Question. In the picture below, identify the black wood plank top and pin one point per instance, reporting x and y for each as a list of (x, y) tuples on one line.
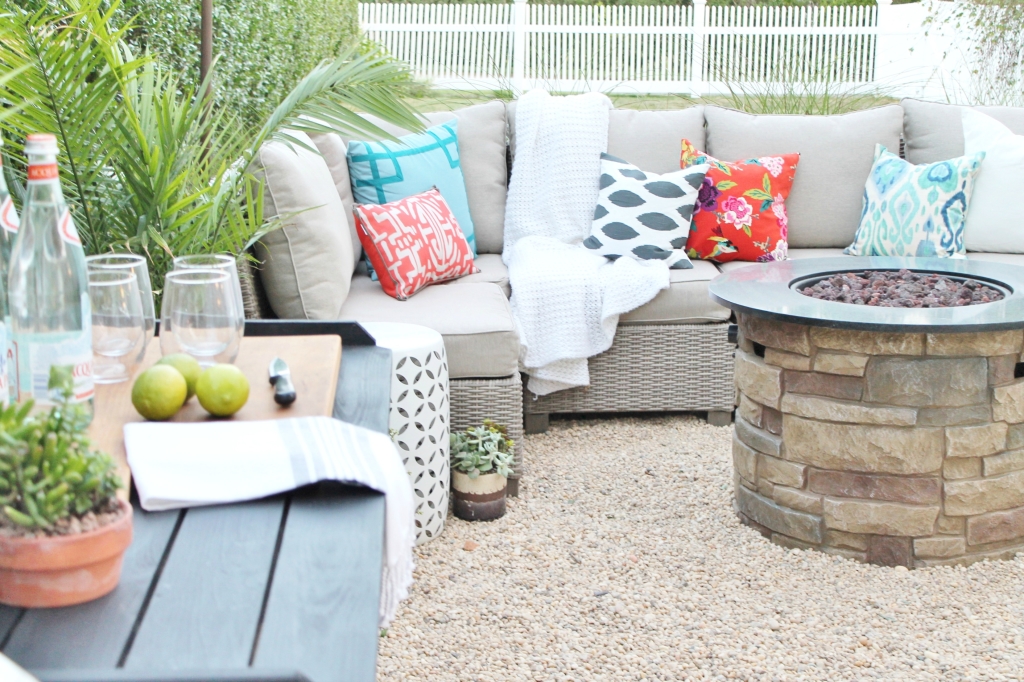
[(280, 590), (9, 617), (206, 607), (93, 635), (178, 676), (364, 387), (310, 611)]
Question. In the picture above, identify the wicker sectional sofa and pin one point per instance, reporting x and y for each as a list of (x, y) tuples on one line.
[(672, 354)]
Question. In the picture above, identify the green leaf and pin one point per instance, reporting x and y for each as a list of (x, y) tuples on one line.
[(759, 195), (19, 518), (767, 184), (725, 184)]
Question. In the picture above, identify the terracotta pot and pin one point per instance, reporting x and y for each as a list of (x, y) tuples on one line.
[(478, 499), (64, 569)]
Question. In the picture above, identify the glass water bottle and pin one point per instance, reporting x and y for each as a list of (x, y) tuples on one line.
[(51, 318)]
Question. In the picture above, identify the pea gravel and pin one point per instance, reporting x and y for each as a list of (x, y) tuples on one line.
[(623, 560)]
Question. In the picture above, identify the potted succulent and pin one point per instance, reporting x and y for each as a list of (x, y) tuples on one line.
[(481, 465), (63, 530)]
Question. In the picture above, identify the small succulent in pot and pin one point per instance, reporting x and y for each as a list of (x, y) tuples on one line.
[(483, 450), (48, 469), (481, 458), (63, 530)]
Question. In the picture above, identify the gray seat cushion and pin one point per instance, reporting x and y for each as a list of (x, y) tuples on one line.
[(491, 270), (686, 300), (836, 154), (482, 155), (793, 253), (934, 132), (474, 318)]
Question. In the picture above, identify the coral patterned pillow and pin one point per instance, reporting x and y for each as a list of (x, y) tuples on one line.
[(413, 242), (741, 208)]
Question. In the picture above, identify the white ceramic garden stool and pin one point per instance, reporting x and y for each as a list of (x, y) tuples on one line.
[(419, 416)]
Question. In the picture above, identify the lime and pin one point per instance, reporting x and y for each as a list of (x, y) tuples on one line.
[(159, 392), (222, 390), (189, 368)]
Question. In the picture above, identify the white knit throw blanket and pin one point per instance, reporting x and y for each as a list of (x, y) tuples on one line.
[(566, 300)]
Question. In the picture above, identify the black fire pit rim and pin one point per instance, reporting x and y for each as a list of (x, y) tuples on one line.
[(765, 290)]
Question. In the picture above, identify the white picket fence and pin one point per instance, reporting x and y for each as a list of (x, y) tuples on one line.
[(693, 49)]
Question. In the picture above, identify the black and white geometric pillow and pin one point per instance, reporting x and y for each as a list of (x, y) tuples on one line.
[(643, 215)]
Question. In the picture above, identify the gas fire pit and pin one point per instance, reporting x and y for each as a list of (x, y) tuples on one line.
[(891, 435)]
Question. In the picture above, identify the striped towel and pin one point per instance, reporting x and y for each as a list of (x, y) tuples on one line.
[(196, 464)]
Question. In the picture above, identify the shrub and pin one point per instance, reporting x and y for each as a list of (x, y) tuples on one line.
[(989, 36), (263, 47)]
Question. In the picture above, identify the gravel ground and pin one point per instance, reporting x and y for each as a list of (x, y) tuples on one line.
[(623, 560)]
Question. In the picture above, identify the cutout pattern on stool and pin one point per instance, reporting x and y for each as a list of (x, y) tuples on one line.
[(419, 422)]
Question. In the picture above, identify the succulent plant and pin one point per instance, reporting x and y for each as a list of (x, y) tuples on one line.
[(48, 469), (482, 450)]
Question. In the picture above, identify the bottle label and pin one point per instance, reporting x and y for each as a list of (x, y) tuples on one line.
[(68, 232), (43, 172), (8, 216), (71, 352)]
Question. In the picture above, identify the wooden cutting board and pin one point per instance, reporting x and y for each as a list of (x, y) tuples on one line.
[(314, 363)]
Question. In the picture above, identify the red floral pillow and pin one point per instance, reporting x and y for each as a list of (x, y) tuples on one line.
[(741, 207), (413, 242)]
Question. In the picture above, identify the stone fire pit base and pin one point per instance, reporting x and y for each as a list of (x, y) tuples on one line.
[(894, 449)]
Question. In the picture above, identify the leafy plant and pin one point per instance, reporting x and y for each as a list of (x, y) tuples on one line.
[(48, 469), (266, 47), (152, 164), (482, 449), (988, 36)]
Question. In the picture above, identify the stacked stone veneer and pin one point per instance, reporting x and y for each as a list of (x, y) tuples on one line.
[(895, 449)]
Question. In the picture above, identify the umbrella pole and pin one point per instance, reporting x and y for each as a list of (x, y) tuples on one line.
[(206, 40)]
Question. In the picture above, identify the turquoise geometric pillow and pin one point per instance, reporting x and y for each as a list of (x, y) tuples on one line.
[(383, 172), (915, 210)]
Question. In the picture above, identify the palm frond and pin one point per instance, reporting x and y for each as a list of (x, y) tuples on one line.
[(62, 53), (150, 164)]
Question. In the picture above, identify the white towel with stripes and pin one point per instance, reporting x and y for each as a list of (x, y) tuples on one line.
[(197, 464)]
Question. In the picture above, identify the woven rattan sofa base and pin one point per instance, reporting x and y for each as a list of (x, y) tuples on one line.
[(652, 368), (473, 400)]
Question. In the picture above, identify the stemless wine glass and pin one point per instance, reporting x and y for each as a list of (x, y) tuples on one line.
[(118, 324), (199, 315), (218, 262), (138, 265)]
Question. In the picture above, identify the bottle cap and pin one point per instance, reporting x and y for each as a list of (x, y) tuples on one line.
[(41, 143)]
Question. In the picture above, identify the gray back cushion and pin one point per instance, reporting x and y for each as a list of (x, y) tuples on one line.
[(650, 140), (934, 132), (482, 154), (836, 154), (306, 266), (334, 150)]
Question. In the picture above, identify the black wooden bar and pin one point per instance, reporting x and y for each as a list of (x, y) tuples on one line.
[(310, 611), (179, 676), (279, 590), (93, 635), (206, 607)]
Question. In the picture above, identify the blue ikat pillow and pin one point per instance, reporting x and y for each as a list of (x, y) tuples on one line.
[(915, 210)]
